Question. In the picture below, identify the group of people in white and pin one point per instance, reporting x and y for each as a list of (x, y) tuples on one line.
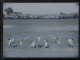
[(46, 43)]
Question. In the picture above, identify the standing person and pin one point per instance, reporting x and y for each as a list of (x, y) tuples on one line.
[(39, 39), (46, 44), (59, 41), (26, 38), (70, 41), (33, 44), (21, 42), (11, 41), (53, 39)]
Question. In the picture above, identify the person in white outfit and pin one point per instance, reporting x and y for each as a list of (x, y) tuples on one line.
[(11, 41), (59, 41), (26, 38), (46, 45), (55, 40), (39, 39), (33, 44), (70, 41), (21, 42)]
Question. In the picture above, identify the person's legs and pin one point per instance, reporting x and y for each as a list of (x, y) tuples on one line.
[(47, 46), (9, 43), (72, 44), (34, 46), (39, 46)]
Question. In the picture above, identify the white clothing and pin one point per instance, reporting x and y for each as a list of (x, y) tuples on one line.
[(10, 41), (59, 41), (26, 38), (70, 42), (21, 42), (39, 38), (46, 44), (33, 44)]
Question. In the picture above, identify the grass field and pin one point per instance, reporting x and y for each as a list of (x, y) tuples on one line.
[(21, 28)]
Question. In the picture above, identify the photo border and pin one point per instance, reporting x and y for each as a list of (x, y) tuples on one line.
[(31, 1)]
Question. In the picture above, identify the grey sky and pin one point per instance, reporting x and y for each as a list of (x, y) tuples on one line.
[(43, 8)]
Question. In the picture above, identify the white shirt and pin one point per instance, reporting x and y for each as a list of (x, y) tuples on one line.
[(10, 41), (39, 39), (33, 43), (46, 43), (70, 40)]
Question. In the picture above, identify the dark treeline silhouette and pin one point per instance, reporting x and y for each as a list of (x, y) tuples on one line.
[(9, 13)]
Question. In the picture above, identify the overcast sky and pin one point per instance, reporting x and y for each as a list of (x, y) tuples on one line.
[(43, 8)]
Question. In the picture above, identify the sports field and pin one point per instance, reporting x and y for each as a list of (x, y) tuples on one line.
[(21, 28)]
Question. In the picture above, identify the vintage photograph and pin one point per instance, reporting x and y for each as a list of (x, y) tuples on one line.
[(40, 30)]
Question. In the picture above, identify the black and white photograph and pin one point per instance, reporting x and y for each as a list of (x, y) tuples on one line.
[(40, 30)]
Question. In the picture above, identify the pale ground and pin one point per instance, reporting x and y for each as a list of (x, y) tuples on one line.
[(19, 29)]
